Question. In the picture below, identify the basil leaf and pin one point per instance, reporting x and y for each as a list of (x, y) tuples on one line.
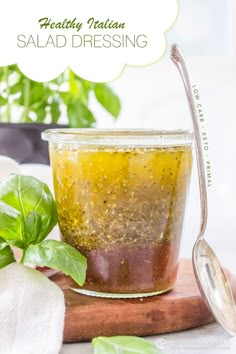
[(16, 87), (28, 120), (10, 222), (41, 114), (55, 111), (74, 88), (33, 223), (58, 255), (34, 209), (3, 101), (78, 89), (37, 91), (80, 116), (108, 99), (67, 98), (6, 254), (123, 345)]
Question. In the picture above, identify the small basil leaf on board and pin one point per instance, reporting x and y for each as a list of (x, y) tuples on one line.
[(10, 222), (108, 99), (27, 194), (123, 345), (58, 255), (6, 254)]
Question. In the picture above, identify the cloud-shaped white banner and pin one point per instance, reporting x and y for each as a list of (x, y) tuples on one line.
[(95, 38)]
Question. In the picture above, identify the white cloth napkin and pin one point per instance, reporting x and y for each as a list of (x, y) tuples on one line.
[(31, 306), (32, 312)]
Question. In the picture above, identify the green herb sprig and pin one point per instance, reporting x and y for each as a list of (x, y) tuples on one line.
[(44, 102), (27, 215)]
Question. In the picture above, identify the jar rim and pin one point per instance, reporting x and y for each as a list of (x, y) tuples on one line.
[(73, 134)]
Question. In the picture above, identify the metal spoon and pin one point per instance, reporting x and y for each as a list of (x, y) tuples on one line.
[(209, 273)]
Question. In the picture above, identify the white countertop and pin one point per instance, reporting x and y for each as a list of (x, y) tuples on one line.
[(208, 339)]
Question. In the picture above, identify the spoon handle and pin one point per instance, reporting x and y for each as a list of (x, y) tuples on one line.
[(178, 59)]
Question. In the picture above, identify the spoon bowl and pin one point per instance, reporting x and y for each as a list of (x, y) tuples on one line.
[(214, 286)]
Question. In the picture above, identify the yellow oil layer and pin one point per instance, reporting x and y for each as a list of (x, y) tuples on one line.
[(110, 197)]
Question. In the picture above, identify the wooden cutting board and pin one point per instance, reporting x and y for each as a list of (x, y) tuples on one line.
[(89, 317)]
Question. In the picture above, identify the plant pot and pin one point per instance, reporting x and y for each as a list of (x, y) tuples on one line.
[(23, 143)]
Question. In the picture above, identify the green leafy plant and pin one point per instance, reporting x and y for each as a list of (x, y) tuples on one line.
[(27, 215), (123, 345), (40, 102)]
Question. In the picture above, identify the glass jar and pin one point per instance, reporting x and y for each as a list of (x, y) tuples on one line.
[(121, 201)]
